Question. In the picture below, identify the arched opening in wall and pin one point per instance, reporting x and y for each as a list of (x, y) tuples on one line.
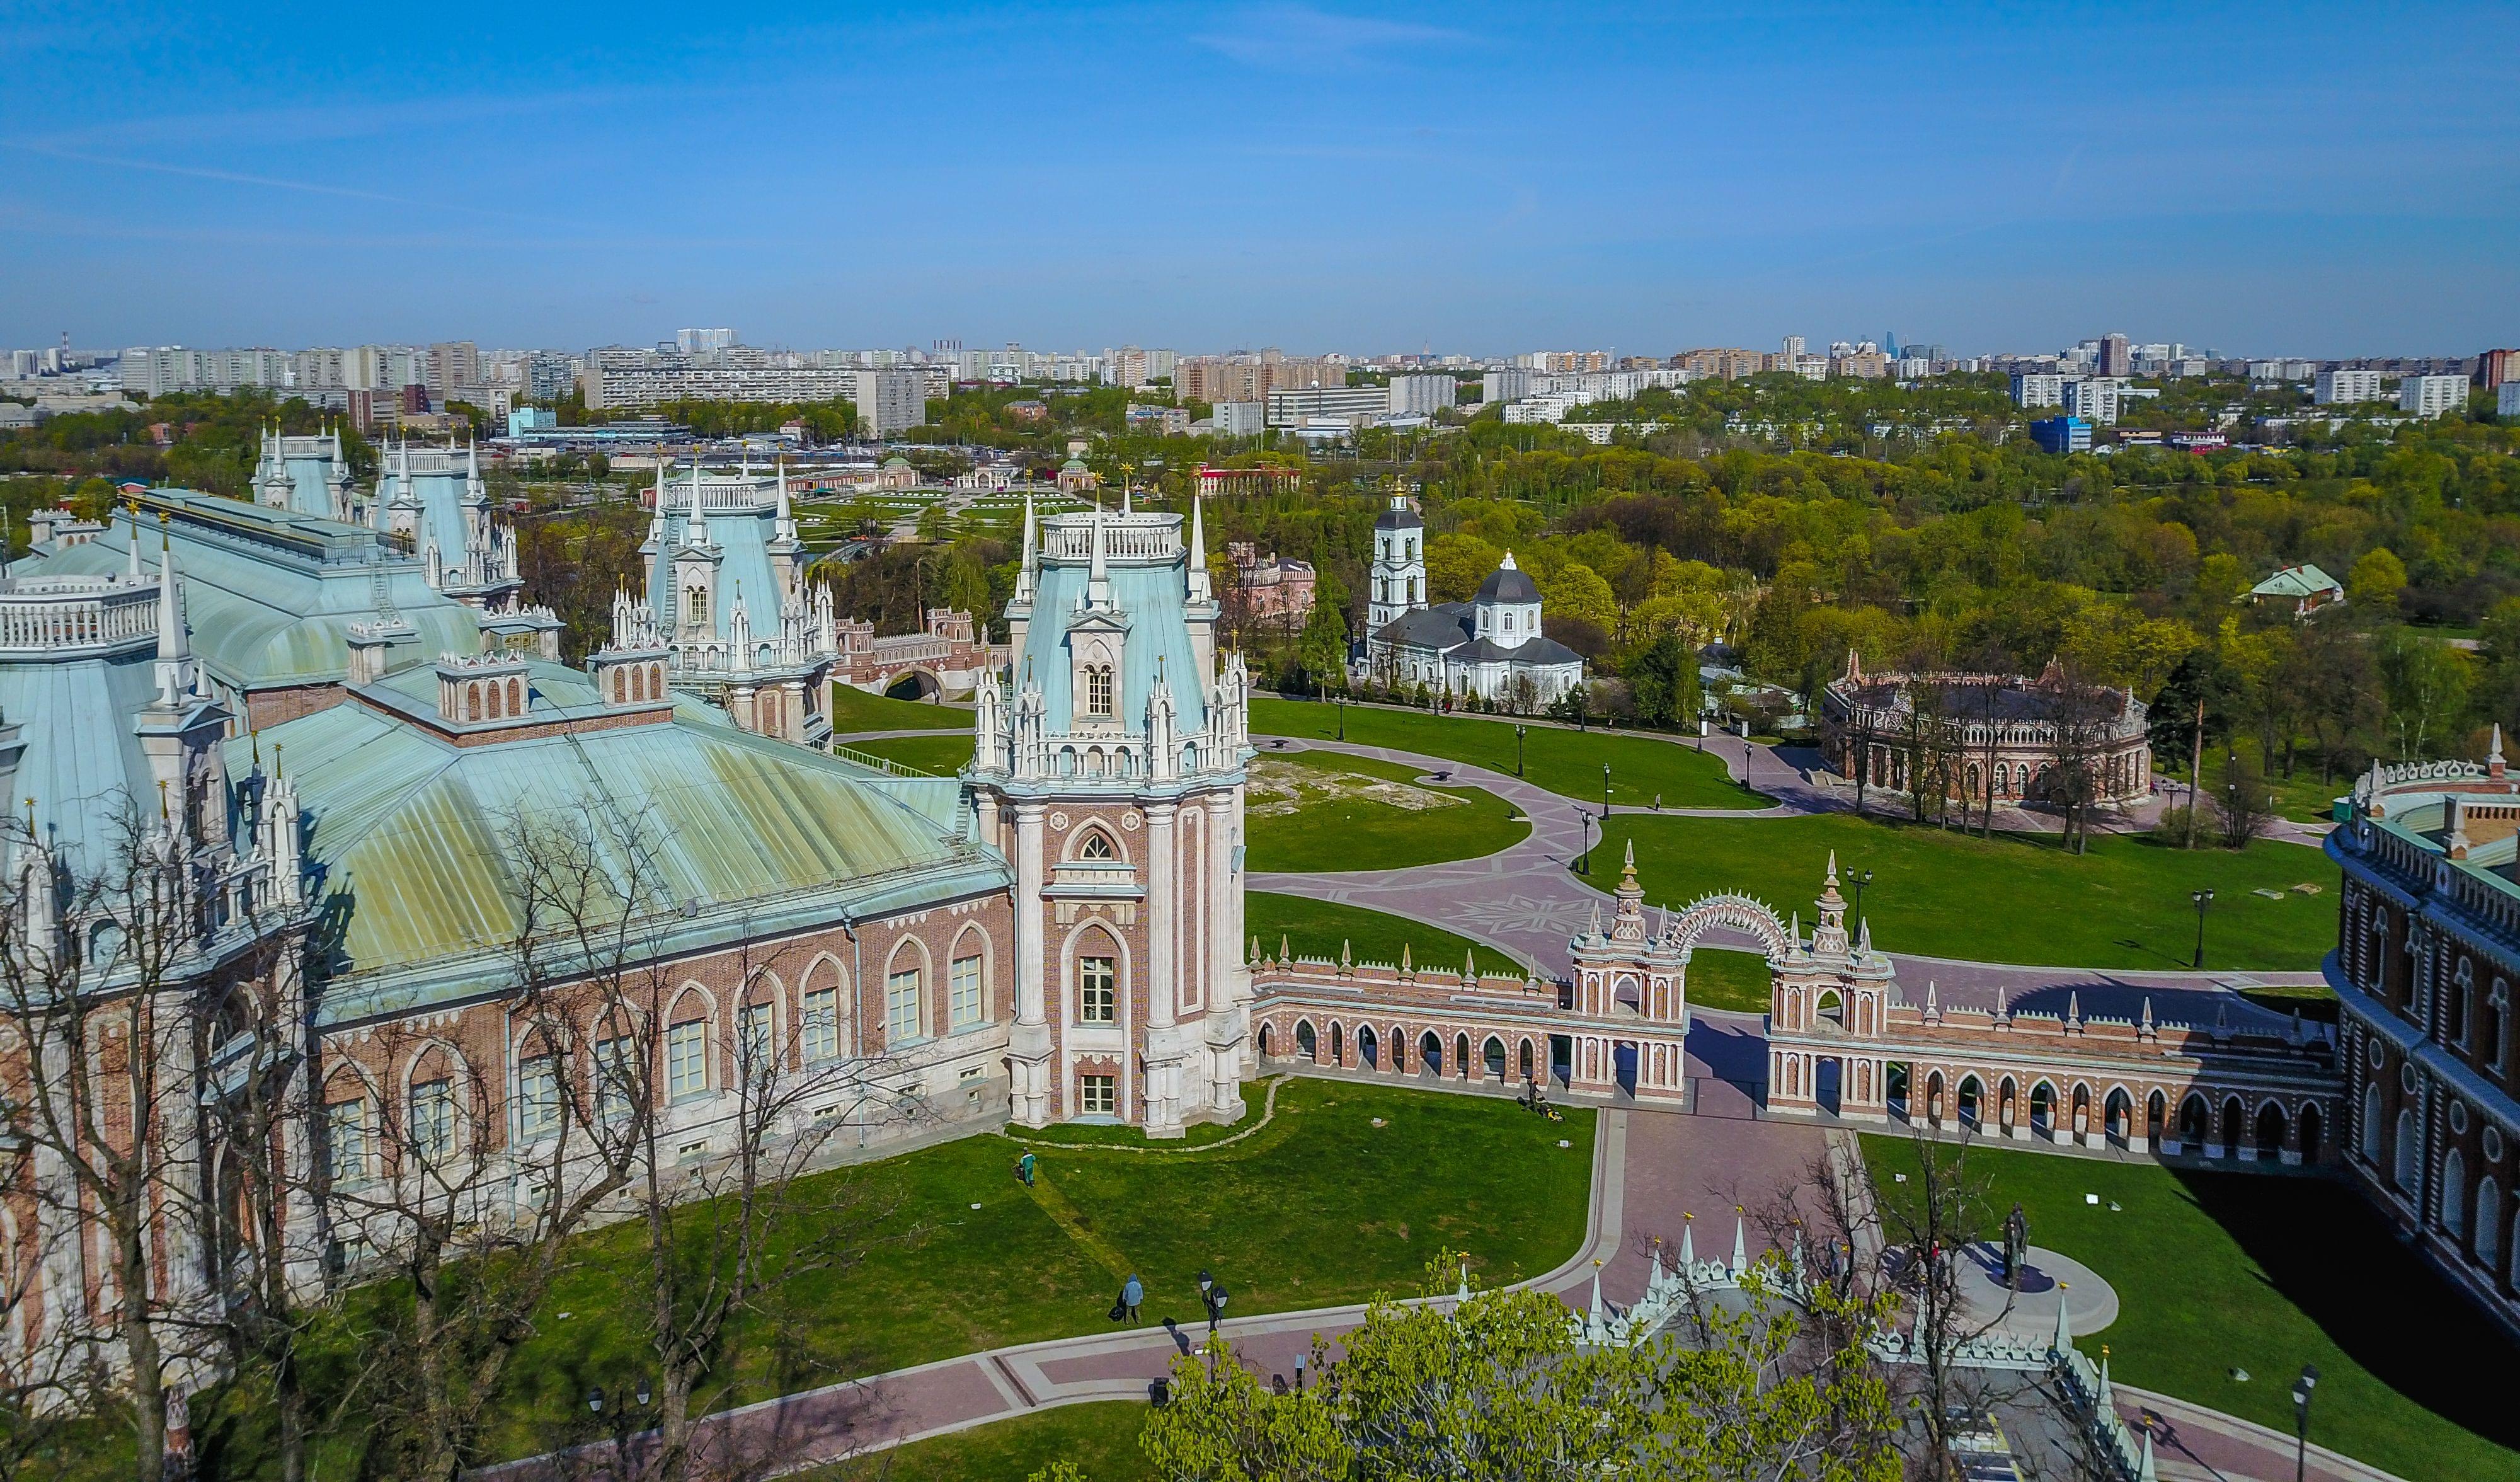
[(2043, 1110), (2117, 1117), (2079, 1122), (1365, 1047), (1623, 1066), (1561, 1058), (2007, 1105), (1493, 1054), (1628, 994), (2156, 1119), (1832, 1009), (1305, 1045), (1462, 1056), (1894, 1084), (1828, 1083), (2310, 1130), (1966, 1101), (2454, 1193), (2271, 1130), (2234, 1118), (1338, 1045), (2196, 1123), (1399, 1049), (2371, 1124), (2489, 1224), (1266, 1049), (1527, 1075), (1934, 1097), (918, 684), (1430, 1054)]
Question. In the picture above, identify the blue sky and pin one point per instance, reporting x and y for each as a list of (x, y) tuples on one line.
[(2307, 179)]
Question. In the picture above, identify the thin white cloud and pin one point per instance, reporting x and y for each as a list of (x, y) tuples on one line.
[(1303, 39)]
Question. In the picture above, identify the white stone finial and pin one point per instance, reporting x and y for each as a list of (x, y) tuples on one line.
[(1507, 565)]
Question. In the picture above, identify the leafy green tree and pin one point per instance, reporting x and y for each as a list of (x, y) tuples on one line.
[(1662, 682), (2425, 683), (1498, 1389), (2377, 580)]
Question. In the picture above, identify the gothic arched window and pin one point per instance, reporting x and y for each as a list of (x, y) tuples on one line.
[(1098, 690), (1097, 846)]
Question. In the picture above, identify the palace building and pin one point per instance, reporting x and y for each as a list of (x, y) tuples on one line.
[(1491, 646), (2424, 965), (1979, 735), (389, 816)]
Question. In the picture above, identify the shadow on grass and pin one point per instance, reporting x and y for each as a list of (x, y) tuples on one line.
[(2336, 1258), (2173, 960)]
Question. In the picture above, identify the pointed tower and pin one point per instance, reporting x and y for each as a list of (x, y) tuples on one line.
[(1397, 583)]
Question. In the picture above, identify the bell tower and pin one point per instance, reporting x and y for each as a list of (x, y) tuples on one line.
[(1399, 579)]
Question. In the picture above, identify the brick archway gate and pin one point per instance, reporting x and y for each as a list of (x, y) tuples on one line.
[(1828, 1004)]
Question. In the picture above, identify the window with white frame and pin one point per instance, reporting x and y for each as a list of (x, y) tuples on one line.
[(760, 1038), (822, 1024), (687, 1059), (901, 1007), (433, 1120), (346, 1134), (1098, 997), (537, 1097), (1098, 1095), (963, 992), (1098, 690), (616, 1077)]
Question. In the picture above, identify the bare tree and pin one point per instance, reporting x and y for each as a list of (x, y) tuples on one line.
[(2079, 717), (2245, 804), (106, 955), (733, 1226), (476, 1189)]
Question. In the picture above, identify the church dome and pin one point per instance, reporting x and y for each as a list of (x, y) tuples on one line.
[(1508, 583)]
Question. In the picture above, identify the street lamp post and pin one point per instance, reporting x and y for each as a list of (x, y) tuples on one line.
[(1605, 789), (1520, 731), (1342, 709), (2203, 899), (1859, 878), (1585, 865), (2300, 1389)]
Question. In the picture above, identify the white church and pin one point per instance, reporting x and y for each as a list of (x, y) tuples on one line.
[(1490, 646)]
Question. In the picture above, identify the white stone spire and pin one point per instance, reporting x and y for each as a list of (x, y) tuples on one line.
[(1195, 575), (696, 522), (1098, 579), (174, 640)]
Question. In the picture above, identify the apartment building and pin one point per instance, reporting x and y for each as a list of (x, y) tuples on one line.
[(2344, 387), (1253, 377), (2432, 396)]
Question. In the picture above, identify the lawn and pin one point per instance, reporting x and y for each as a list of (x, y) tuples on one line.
[(2301, 797), (1318, 1208), (1719, 979), (1101, 1437), (1326, 811), (1566, 762), (1315, 929), (2223, 1270), (855, 709), (942, 755), (2015, 898)]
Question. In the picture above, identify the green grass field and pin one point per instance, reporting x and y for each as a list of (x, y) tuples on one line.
[(1566, 762), (1337, 825), (943, 755), (2223, 1270), (854, 709), (1719, 979), (1101, 1439), (1318, 1208), (1315, 929), (2015, 898)]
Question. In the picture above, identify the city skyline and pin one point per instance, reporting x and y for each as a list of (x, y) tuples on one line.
[(1306, 176)]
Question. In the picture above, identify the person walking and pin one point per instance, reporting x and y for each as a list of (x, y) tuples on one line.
[(1023, 1169), (1132, 1292)]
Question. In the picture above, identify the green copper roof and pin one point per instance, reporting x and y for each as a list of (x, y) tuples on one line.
[(419, 847), (271, 593)]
